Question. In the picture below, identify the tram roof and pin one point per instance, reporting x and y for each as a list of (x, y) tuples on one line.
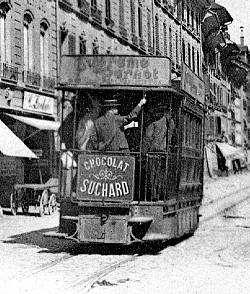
[(119, 88)]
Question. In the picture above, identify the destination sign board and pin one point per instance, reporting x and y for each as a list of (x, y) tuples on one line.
[(108, 70), (105, 177), (192, 84)]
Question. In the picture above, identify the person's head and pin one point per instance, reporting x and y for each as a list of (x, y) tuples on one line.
[(111, 106)]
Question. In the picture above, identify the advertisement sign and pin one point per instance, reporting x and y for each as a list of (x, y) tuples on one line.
[(105, 177), (192, 84), (38, 103), (111, 70)]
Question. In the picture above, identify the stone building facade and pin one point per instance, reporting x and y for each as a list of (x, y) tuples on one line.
[(28, 61)]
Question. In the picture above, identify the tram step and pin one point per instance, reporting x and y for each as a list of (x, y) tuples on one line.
[(140, 219), (70, 217), (155, 236), (54, 234)]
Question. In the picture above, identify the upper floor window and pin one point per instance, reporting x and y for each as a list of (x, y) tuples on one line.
[(189, 55), (3, 37), (121, 13), (183, 51), (94, 3), (44, 49), (149, 28), (165, 39), (82, 44), (132, 8), (170, 43), (72, 44), (108, 9), (198, 63), (95, 46), (157, 37), (140, 21), (5, 6), (28, 42)]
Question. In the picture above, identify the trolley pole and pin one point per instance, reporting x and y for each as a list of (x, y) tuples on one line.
[(141, 136)]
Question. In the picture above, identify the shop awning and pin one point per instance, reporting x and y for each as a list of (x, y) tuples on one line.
[(11, 145), (40, 124), (228, 151)]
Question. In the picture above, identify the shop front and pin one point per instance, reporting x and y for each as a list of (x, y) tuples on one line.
[(27, 147)]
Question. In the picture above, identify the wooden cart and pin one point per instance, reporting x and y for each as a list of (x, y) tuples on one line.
[(42, 196)]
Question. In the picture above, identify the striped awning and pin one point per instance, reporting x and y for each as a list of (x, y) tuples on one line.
[(41, 124), (11, 145)]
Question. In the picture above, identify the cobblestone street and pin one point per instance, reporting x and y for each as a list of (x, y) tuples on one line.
[(215, 260)]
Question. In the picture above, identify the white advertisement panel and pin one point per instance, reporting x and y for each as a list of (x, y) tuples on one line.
[(38, 103), (113, 70)]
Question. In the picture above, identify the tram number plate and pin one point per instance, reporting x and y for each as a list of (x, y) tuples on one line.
[(106, 177)]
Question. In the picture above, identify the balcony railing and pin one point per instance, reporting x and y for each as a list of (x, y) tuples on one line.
[(31, 78), (48, 83), (9, 72)]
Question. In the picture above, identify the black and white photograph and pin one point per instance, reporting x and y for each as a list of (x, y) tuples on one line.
[(124, 146)]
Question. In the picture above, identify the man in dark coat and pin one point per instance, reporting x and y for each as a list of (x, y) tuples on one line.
[(109, 127)]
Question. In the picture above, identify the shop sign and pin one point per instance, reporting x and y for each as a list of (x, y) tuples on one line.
[(38, 103), (7, 167), (114, 70), (105, 177), (192, 84)]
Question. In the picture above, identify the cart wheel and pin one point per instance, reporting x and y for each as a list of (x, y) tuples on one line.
[(52, 204), (13, 204), (25, 207), (43, 202)]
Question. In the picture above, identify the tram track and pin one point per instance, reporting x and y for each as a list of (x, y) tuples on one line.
[(224, 203), (87, 280)]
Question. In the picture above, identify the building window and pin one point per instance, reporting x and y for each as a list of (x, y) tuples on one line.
[(165, 39), (192, 19), (170, 44), (183, 10), (157, 37), (28, 42), (108, 9), (44, 50), (183, 51), (94, 3), (197, 22), (177, 48), (132, 8), (149, 28), (189, 55), (193, 60), (72, 44), (198, 63), (95, 47), (140, 21), (188, 14), (82, 45), (3, 37), (121, 13)]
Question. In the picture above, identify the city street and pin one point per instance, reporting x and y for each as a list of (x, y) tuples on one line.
[(215, 260)]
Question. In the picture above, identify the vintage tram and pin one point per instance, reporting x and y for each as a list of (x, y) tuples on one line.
[(153, 189)]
